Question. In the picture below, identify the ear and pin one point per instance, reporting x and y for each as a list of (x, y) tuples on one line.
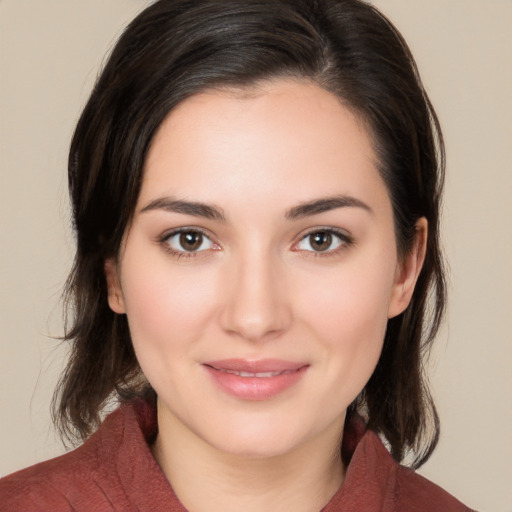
[(115, 292), (408, 269)]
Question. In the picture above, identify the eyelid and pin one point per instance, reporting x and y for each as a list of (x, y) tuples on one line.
[(345, 238), (167, 235), (183, 229)]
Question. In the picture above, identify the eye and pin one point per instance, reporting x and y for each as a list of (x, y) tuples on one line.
[(188, 241), (323, 240)]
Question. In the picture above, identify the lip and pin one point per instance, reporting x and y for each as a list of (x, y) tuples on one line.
[(255, 379)]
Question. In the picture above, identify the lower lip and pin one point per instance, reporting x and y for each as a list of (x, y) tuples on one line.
[(255, 388)]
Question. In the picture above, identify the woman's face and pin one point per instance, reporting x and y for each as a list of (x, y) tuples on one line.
[(260, 268)]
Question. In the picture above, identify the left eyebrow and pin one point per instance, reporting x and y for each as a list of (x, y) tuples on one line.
[(324, 204)]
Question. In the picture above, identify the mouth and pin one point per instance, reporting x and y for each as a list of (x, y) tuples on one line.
[(257, 375), (255, 380)]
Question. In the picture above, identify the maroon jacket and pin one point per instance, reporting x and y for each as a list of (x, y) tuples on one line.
[(114, 470)]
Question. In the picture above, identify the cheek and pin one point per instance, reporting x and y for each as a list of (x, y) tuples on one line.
[(354, 327), (353, 339), (353, 298), (166, 307), (348, 312)]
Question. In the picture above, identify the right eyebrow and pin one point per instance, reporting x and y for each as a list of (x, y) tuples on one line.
[(197, 209)]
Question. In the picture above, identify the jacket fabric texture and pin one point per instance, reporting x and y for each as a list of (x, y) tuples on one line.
[(114, 470)]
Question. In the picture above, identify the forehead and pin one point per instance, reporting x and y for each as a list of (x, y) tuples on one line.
[(284, 138)]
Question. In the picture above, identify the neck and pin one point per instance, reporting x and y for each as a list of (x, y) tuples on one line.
[(205, 479)]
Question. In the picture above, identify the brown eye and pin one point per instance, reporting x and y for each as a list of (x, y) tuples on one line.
[(320, 241), (323, 241), (191, 241), (188, 241)]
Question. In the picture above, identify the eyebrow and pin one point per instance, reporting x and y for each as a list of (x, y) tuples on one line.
[(208, 211), (194, 208), (325, 204)]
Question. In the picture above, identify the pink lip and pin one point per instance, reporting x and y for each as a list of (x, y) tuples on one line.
[(226, 374)]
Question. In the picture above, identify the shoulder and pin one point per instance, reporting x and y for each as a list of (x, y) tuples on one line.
[(415, 493), (410, 491), (46, 486), (112, 470), (76, 480)]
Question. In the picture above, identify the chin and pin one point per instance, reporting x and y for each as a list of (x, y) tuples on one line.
[(261, 448), (258, 440)]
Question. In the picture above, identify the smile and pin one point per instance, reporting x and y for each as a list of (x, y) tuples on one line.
[(259, 375), (255, 380)]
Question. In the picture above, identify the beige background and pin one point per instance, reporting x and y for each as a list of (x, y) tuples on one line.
[(50, 52)]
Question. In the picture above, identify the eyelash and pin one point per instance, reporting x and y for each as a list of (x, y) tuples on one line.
[(345, 240), (164, 241)]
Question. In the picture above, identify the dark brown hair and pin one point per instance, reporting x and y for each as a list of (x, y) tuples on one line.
[(176, 48)]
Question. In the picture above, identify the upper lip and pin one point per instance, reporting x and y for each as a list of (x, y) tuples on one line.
[(255, 366)]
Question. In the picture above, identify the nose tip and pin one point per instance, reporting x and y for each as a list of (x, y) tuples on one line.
[(257, 307)]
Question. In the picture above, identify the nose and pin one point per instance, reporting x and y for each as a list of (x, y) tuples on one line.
[(257, 306)]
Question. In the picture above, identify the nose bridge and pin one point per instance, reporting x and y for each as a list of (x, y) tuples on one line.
[(257, 306)]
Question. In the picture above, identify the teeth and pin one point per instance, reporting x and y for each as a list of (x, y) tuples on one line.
[(260, 375)]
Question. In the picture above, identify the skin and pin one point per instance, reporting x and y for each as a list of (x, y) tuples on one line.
[(257, 288)]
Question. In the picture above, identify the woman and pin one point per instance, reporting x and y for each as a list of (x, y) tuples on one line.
[(255, 190)]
